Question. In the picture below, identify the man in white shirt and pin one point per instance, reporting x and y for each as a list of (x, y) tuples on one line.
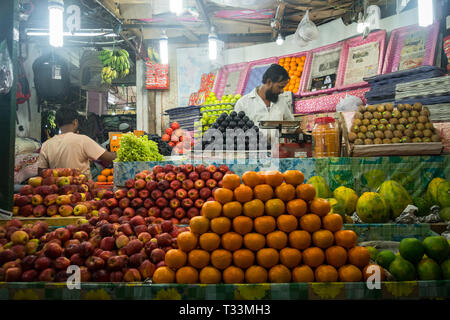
[(268, 101)]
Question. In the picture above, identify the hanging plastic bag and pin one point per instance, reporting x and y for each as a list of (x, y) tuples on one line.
[(6, 69), (306, 29), (349, 103)]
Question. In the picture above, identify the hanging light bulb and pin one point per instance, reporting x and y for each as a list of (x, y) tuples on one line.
[(212, 42), (55, 21), (164, 48), (280, 39), (176, 6), (425, 8)]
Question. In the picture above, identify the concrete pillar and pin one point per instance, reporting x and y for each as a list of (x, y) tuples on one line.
[(142, 107)]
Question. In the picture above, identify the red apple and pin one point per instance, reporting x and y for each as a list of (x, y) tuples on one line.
[(157, 169), (107, 243), (129, 212), (132, 275), (181, 176), (193, 212), (148, 203), (112, 203), (211, 183), (157, 255), (124, 203), (169, 194), (200, 168), (194, 176), (193, 194), (120, 194), (179, 213), (174, 203), (132, 193), (161, 202), (181, 194), (61, 263), (151, 185), (134, 246), (205, 193), (137, 202), (144, 194), (147, 269), (175, 185), (199, 184), (199, 203), (205, 175), (129, 183), (156, 194), (167, 213), (170, 176), (154, 211), (163, 185), (160, 176), (126, 229)]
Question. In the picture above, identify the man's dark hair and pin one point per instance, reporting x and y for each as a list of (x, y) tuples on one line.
[(64, 116), (276, 73)]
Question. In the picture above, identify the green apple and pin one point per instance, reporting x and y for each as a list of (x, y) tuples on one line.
[(238, 96)]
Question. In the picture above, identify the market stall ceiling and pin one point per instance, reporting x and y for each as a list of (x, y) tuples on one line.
[(233, 22)]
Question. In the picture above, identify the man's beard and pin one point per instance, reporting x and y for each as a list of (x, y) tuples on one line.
[(272, 97)]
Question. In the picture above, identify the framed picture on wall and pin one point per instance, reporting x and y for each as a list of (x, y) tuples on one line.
[(321, 70), (229, 79), (254, 73), (410, 47), (361, 58)]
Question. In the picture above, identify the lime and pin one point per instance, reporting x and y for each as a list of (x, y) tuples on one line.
[(437, 248), (402, 269), (411, 249), (373, 253), (385, 258), (428, 269), (445, 268)]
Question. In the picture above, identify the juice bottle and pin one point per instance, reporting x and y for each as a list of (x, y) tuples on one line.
[(325, 138)]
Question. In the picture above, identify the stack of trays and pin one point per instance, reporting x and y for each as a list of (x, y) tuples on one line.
[(428, 91), (185, 116)]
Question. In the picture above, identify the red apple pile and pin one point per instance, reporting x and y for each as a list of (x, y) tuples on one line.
[(178, 139), (175, 193), (57, 192), (129, 250)]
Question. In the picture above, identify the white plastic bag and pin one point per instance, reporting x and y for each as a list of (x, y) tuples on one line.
[(307, 30), (6, 69), (247, 4), (349, 103)]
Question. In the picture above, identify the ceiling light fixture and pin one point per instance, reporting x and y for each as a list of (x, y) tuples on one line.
[(212, 42), (55, 20), (425, 8), (176, 6), (164, 48), (280, 39)]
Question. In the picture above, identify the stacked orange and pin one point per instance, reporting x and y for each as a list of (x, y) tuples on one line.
[(269, 227), (106, 175), (293, 65)]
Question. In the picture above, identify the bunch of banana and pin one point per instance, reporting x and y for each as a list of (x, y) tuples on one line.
[(115, 64)]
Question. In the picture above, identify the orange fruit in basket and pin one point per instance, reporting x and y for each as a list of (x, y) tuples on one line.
[(267, 257), (220, 225), (223, 195), (265, 224), (242, 225), (175, 258), (313, 257), (277, 240), (349, 273), (256, 274), (299, 239), (231, 181), (209, 241), (254, 208), (110, 179), (279, 274), (186, 274), (251, 179), (287, 223), (294, 177), (211, 209), (198, 258), (332, 222), (290, 257), (346, 238), (273, 178), (323, 238), (310, 222), (274, 207), (374, 268), (254, 241), (199, 224), (163, 275), (106, 172), (325, 273), (297, 207), (285, 192), (232, 209), (243, 258), (221, 259), (263, 192), (233, 274), (243, 193), (210, 275), (336, 256), (232, 241), (359, 256), (306, 192), (102, 178), (320, 207), (187, 241), (302, 274)]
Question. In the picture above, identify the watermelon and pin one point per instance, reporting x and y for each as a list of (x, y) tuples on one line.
[(423, 205), (432, 190), (336, 207), (443, 194), (321, 186), (396, 197), (347, 197), (372, 208), (373, 178)]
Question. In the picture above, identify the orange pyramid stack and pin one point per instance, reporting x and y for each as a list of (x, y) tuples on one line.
[(269, 227)]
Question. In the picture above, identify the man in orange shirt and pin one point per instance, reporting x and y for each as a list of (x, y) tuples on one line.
[(69, 149)]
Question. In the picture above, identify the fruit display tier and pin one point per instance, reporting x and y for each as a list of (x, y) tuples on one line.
[(361, 174), (286, 291)]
